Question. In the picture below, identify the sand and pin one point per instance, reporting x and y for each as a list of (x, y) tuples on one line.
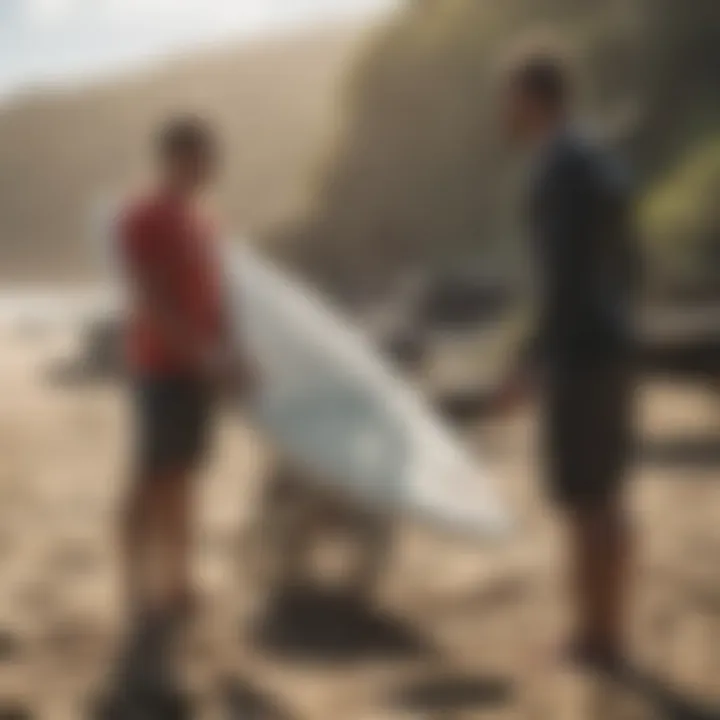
[(456, 632)]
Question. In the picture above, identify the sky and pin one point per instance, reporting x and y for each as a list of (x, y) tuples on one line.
[(61, 41)]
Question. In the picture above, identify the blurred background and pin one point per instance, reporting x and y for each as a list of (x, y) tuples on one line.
[(362, 153), (356, 129)]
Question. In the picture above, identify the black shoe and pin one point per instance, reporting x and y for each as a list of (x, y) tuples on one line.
[(143, 685), (132, 705), (605, 661)]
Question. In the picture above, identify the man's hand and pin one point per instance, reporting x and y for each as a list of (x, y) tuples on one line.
[(242, 377), (514, 392), (231, 374)]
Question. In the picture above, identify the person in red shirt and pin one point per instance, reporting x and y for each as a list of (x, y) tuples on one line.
[(178, 357)]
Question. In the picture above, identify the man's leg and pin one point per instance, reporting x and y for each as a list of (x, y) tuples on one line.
[(600, 561), (133, 544), (158, 527), (590, 434), (178, 508), (157, 540)]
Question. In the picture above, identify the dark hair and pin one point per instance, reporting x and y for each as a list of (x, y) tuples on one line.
[(544, 76), (186, 135)]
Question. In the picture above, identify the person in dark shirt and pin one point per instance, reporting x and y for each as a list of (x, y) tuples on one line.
[(580, 356)]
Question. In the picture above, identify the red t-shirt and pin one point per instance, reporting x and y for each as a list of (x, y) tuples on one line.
[(167, 241)]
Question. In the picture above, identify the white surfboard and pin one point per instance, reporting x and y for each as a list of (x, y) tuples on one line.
[(333, 406), (329, 402)]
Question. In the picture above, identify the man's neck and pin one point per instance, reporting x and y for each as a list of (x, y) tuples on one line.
[(549, 130), (547, 135), (176, 190)]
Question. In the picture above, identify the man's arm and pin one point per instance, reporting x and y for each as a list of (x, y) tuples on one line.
[(566, 218), (563, 226), (239, 372), (517, 383)]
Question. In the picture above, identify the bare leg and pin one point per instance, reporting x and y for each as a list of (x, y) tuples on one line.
[(158, 527), (175, 502), (601, 555), (134, 544)]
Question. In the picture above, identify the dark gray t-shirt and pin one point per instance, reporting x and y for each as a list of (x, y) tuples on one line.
[(585, 252)]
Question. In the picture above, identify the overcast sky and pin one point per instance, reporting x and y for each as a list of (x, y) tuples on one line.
[(63, 40)]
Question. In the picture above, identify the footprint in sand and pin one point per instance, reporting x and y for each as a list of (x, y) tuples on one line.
[(36, 598), (14, 712), (74, 639), (11, 647), (77, 559)]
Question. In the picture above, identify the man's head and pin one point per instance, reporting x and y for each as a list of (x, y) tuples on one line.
[(188, 153), (537, 94)]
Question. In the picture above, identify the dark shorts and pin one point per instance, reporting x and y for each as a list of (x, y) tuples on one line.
[(587, 433), (173, 418)]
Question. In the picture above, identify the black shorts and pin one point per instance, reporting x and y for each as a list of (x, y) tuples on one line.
[(587, 432), (172, 420)]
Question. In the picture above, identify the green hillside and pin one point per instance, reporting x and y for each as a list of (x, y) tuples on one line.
[(420, 173)]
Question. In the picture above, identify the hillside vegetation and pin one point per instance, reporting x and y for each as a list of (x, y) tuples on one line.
[(274, 102), (360, 154), (681, 219), (420, 172)]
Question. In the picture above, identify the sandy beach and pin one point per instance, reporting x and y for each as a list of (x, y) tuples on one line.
[(456, 632)]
